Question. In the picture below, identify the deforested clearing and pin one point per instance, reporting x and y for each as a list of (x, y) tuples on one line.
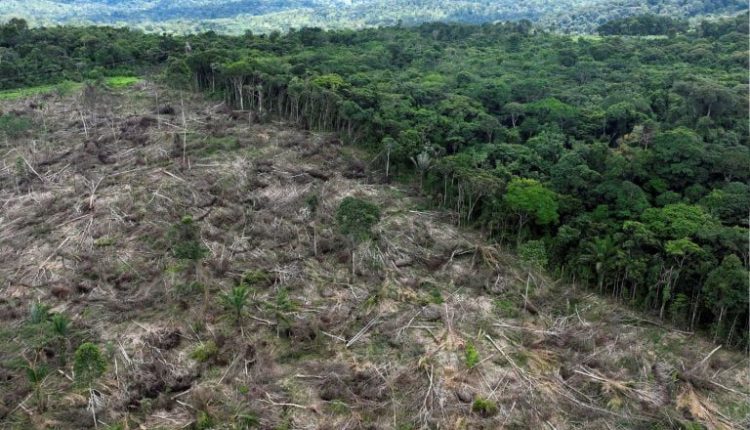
[(200, 255)]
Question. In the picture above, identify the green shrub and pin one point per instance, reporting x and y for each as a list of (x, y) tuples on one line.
[(283, 302), (39, 313), (484, 407), (204, 421), (185, 240), (247, 421), (533, 253), (12, 126), (60, 325), (253, 278), (205, 352), (506, 308), (36, 375), (89, 364), (472, 355), (235, 301), (356, 217), (215, 145)]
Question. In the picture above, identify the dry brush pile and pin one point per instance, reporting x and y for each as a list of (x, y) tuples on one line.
[(198, 252)]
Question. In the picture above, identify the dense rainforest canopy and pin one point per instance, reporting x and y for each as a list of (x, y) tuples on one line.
[(237, 16), (620, 162)]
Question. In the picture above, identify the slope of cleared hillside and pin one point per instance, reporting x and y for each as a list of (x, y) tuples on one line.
[(437, 328)]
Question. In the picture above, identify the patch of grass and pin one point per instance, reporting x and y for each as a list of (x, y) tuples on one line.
[(13, 127), (372, 301), (737, 410), (205, 352), (484, 407), (506, 308), (283, 302), (433, 293), (253, 278), (520, 358), (189, 288), (62, 88), (117, 82), (213, 145), (338, 407), (104, 241), (203, 421), (248, 420)]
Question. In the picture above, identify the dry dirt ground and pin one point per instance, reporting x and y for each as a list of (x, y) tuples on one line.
[(438, 328)]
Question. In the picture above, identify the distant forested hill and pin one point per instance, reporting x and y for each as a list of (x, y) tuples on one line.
[(236, 16)]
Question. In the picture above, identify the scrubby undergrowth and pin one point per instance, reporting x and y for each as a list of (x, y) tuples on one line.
[(201, 254)]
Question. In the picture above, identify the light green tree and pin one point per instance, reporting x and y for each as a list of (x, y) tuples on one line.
[(530, 200)]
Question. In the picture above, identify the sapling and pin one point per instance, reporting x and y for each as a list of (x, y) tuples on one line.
[(186, 245), (60, 327), (88, 366), (235, 300), (36, 375), (355, 218)]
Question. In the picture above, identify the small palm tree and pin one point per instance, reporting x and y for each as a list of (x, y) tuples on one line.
[(236, 300), (39, 313), (599, 253), (36, 375), (423, 162), (60, 327)]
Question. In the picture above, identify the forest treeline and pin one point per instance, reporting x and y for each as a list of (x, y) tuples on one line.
[(237, 16), (619, 162)]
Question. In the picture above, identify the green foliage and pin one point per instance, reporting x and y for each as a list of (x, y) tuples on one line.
[(676, 220), (205, 352), (60, 325), (214, 145), (39, 313), (247, 421), (14, 126), (533, 253), (189, 288), (283, 302), (253, 278), (682, 247), (312, 201), (484, 407), (36, 374), (356, 217), (88, 364), (272, 16), (624, 155), (185, 240), (506, 308), (204, 421), (119, 82), (529, 197), (235, 300), (24, 92), (471, 355), (641, 25)]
